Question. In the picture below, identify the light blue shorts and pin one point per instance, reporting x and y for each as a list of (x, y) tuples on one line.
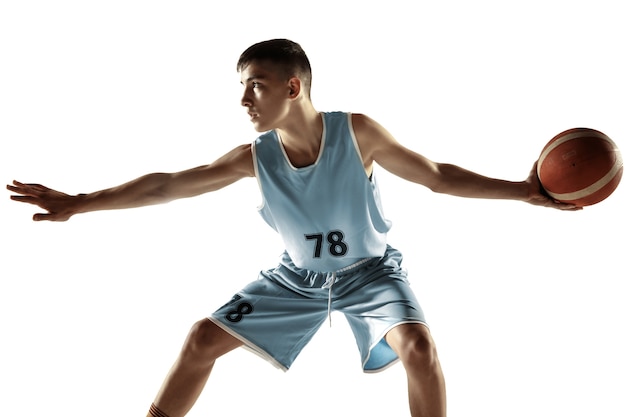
[(278, 314)]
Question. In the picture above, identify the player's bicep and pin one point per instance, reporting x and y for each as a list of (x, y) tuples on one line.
[(378, 145), (229, 168), (409, 165)]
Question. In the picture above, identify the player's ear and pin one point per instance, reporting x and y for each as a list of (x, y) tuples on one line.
[(295, 86)]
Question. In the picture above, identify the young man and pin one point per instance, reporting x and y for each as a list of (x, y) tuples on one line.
[(315, 173)]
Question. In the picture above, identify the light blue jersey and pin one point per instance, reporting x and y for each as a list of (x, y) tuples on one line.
[(329, 214), (330, 218)]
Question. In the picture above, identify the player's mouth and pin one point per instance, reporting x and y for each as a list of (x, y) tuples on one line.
[(253, 115)]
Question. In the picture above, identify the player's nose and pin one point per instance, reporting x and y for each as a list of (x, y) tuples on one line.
[(245, 99)]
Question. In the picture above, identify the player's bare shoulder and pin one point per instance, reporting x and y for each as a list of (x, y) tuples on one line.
[(371, 136), (239, 159)]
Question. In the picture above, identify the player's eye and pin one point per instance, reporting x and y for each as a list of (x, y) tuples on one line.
[(255, 84)]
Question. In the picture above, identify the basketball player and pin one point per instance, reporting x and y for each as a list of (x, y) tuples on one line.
[(316, 175)]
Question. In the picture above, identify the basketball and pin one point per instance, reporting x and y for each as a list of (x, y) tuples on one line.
[(580, 166)]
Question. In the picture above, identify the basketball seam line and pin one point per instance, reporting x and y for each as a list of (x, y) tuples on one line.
[(596, 186)]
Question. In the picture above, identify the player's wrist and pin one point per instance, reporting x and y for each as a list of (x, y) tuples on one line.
[(81, 203)]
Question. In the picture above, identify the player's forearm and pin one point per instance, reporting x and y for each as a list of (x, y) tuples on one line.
[(463, 183), (144, 191)]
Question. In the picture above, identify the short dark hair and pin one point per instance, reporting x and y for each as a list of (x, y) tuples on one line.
[(287, 55)]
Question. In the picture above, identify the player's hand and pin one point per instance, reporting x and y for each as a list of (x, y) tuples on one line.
[(538, 196), (59, 206)]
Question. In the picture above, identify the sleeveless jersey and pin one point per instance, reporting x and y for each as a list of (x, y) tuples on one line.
[(328, 214)]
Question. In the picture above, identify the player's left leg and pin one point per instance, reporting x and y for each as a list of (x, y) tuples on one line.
[(205, 343), (416, 349)]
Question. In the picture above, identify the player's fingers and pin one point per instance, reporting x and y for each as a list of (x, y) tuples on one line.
[(565, 206), (533, 170), (53, 217), (25, 199), (38, 187), (570, 207), (16, 187), (41, 216), (22, 188)]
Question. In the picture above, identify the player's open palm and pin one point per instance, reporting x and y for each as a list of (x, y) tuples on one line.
[(59, 206)]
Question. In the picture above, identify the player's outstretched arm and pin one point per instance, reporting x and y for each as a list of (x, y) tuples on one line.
[(378, 145), (155, 188)]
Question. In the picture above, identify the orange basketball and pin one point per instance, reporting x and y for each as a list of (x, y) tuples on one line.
[(580, 166)]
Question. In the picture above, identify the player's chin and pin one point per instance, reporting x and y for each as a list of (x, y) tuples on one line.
[(259, 126)]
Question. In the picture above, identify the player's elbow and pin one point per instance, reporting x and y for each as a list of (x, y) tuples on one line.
[(158, 188), (439, 181)]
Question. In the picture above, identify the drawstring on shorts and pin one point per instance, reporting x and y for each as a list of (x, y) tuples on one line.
[(332, 278), (330, 281)]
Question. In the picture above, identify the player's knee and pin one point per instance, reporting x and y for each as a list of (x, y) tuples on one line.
[(200, 342), (418, 349)]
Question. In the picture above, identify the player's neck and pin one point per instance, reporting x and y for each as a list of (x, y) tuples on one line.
[(302, 136), (302, 128)]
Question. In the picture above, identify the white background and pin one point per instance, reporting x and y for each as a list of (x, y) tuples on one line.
[(526, 304)]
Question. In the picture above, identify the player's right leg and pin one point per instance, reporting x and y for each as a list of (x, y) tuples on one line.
[(416, 349), (205, 343)]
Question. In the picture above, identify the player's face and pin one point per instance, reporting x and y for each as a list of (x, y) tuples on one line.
[(266, 96)]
